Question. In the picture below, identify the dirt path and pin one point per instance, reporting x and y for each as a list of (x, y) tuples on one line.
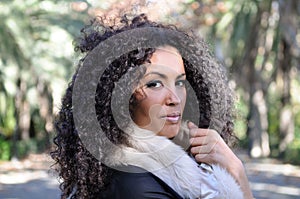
[(31, 179)]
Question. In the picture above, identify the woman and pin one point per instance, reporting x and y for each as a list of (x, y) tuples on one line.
[(148, 149)]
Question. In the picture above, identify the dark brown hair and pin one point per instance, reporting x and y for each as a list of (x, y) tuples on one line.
[(83, 175)]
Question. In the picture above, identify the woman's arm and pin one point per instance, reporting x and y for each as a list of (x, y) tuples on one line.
[(207, 146)]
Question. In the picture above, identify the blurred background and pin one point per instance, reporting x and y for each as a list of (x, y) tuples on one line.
[(257, 40)]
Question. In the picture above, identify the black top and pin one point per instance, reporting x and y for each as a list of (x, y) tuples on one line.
[(137, 184)]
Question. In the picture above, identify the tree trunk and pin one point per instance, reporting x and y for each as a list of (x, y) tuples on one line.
[(258, 124), (257, 116), (22, 116), (289, 23), (286, 124), (46, 105), (23, 110)]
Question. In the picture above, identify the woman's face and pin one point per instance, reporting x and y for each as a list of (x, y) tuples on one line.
[(161, 95)]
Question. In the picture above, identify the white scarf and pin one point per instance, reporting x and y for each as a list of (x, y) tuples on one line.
[(169, 162)]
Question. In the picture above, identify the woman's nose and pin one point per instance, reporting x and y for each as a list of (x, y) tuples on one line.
[(172, 97)]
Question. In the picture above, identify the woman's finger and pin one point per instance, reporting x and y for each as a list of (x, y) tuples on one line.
[(206, 158), (203, 149), (199, 132), (191, 125), (198, 141), (201, 138)]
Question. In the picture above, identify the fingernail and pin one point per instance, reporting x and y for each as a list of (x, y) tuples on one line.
[(192, 125)]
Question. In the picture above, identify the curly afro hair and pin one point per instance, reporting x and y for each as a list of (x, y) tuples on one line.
[(83, 175)]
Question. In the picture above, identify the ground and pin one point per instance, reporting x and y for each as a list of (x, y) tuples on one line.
[(32, 179), (270, 178)]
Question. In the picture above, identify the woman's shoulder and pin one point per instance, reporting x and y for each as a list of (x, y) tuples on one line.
[(136, 182)]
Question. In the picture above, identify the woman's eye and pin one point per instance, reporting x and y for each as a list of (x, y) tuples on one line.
[(180, 83), (154, 84)]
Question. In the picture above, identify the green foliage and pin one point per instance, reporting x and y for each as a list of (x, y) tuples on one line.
[(241, 112), (24, 147), (4, 149), (36, 46), (36, 50), (7, 121), (297, 125), (292, 154), (273, 120), (241, 26)]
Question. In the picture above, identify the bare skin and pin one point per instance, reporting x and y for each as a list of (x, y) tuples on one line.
[(162, 93)]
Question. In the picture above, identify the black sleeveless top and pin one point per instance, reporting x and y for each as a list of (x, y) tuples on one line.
[(138, 184)]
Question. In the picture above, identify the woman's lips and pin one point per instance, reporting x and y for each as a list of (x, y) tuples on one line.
[(173, 118)]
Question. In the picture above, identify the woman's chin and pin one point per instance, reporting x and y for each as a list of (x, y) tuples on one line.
[(170, 130)]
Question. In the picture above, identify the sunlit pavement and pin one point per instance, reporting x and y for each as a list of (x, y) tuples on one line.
[(28, 185), (31, 179), (270, 178)]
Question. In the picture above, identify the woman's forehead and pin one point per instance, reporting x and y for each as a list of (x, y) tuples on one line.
[(169, 49), (166, 58)]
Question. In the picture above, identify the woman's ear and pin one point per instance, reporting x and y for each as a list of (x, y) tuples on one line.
[(139, 94)]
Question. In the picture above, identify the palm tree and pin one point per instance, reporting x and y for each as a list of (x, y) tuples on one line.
[(36, 56)]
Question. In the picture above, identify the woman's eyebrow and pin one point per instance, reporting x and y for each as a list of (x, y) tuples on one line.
[(181, 75), (163, 75), (157, 73)]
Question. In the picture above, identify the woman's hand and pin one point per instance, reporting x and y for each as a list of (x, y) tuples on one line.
[(207, 146)]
